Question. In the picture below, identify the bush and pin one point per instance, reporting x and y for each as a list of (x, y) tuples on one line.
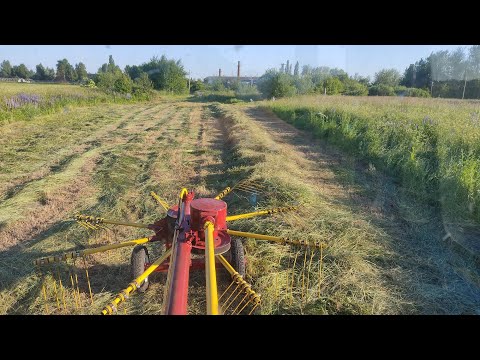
[(355, 88), (414, 92), (276, 84), (142, 85), (381, 90)]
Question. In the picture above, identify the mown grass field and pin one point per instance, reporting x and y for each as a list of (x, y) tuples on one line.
[(105, 159)]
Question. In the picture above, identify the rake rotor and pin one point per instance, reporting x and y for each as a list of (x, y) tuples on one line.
[(193, 226)]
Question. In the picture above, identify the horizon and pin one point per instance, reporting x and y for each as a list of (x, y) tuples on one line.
[(201, 61)]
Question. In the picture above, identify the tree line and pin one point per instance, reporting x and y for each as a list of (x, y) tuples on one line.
[(158, 73), (446, 74)]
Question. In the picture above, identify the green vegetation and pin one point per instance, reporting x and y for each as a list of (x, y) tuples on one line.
[(433, 147), (25, 101)]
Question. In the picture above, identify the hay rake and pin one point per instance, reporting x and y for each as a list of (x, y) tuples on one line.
[(196, 236)]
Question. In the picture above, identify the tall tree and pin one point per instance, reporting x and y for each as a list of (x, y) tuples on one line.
[(288, 67), (62, 70), (81, 71), (40, 73), (6, 69), (388, 77), (296, 70), (21, 71)]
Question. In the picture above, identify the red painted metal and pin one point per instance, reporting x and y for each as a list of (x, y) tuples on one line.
[(177, 293), (191, 237), (195, 264)]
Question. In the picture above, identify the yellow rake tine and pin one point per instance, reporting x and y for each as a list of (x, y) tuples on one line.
[(303, 273), (231, 303), (244, 306), (78, 290), (56, 292), (45, 296), (250, 313), (76, 282), (229, 286), (88, 279), (62, 291), (276, 277), (74, 291), (320, 270), (240, 303), (83, 224), (233, 292), (312, 253), (125, 310), (250, 189), (293, 277)]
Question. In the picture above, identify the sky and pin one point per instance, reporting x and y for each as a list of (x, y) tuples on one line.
[(205, 60)]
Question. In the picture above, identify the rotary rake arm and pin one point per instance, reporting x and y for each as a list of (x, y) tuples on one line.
[(94, 223)]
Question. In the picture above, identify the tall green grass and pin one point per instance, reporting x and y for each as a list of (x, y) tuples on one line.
[(25, 101), (432, 146)]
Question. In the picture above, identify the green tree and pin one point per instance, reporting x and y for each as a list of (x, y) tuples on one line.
[(40, 72), (388, 77), (381, 90), (304, 85), (296, 70), (81, 71), (49, 74), (63, 69), (166, 74), (142, 84), (6, 69), (333, 86), (133, 71), (354, 88), (21, 71), (196, 85), (276, 84)]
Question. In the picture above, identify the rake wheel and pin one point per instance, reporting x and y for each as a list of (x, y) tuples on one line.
[(138, 260), (237, 256)]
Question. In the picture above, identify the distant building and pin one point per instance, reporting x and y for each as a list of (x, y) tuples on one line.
[(227, 80)]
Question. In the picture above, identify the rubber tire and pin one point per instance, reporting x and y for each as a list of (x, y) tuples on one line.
[(237, 256), (138, 260)]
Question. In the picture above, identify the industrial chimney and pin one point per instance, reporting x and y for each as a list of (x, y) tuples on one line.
[(238, 71)]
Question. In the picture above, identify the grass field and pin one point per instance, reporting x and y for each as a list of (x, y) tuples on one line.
[(382, 254), (431, 145)]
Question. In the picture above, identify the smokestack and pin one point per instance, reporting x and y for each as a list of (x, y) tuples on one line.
[(219, 72), (238, 71)]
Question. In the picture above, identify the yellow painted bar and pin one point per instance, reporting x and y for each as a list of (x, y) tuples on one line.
[(132, 287), (211, 276), (282, 240), (183, 192), (260, 213), (91, 220), (224, 193), (160, 201), (80, 253), (226, 264)]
